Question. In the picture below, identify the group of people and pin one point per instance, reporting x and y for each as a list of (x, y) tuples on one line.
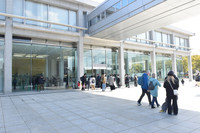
[(171, 84), (99, 81)]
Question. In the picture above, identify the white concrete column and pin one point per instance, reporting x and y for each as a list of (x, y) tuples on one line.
[(121, 63), (190, 67), (174, 66), (80, 68), (153, 62), (53, 67), (61, 68), (8, 50)]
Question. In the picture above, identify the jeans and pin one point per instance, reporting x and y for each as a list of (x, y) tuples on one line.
[(154, 100)]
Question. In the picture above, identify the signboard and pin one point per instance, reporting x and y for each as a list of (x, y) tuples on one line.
[(99, 66)]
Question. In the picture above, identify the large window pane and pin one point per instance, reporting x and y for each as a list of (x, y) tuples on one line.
[(72, 19), (124, 2), (21, 67), (1, 65), (18, 9), (2, 8), (59, 15), (88, 61), (136, 63), (159, 38), (163, 65), (111, 61), (37, 11)]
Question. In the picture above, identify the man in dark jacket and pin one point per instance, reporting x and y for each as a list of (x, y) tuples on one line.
[(144, 87), (98, 81), (83, 80), (171, 83)]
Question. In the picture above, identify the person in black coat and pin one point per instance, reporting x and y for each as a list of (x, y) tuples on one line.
[(171, 98), (83, 80)]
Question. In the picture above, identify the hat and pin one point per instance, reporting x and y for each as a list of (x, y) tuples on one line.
[(171, 73)]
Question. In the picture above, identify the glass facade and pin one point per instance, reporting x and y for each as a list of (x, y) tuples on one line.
[(98, 60), (179, 64), (55, 64), (1, 64), (163, 65), (136, 63), (44, 12), (2, 8)]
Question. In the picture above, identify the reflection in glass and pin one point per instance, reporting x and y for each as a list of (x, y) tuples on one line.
[(163, 65), (21, 67), (59, 15), (1, 65), (18, 9), (179, 64), (136, 63), (72, 19), (2, 8), (37, 11)]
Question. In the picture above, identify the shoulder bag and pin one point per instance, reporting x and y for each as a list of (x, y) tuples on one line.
[(175, 91)]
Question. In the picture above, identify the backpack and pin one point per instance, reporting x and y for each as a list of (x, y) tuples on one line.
[(151, 86), (140, 81)]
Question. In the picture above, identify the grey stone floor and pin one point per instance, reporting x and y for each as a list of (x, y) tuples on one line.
[(98, 112)]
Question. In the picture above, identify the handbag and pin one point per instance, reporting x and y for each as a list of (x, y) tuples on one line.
[(174, 90)]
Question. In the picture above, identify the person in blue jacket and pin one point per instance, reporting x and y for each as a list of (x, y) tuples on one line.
[(154, 92), (144, 87)]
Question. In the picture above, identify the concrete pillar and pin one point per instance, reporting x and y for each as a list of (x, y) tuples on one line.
[(61, 68), (80, 68), (190, 67), (8, 50), (53, 67), (174, 66), (164, 70), (153, 62), (121, 63)]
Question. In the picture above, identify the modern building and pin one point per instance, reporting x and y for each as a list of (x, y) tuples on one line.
[(63, 39)]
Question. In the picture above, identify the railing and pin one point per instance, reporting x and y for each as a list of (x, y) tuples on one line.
[(42, 21), (156, 44)]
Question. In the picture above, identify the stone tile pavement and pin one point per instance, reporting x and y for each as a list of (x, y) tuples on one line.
[(98, 112)]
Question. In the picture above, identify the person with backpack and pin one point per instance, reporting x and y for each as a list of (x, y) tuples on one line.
[(92, 82), (143, 81), (153, 88)]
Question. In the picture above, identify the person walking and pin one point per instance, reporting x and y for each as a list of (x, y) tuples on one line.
[(135, 79), (98, 81), (144, 86), (111, 82), (104, 82), (171, 83), (118, 81), (154, 92)]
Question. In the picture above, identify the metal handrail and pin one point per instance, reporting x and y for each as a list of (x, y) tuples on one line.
[(43, 21), (155, 42)]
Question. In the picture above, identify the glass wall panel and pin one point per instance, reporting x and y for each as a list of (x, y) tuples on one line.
[(18, 9), (2, 8), (33, 62), (70, 69), (111, 61), (124, 2), (37, 11), (179, 64), (163, 65), (21, 67), (72, 19), (99, 60), (59, 15), (136, 63), (1, 65), (159, 38), (88, 61)]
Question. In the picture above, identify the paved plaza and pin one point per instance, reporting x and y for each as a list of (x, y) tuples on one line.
[(95, 111)]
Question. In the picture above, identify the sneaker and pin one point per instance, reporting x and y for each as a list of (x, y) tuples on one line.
[(161, 111), (153, 107), (139, 104)]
